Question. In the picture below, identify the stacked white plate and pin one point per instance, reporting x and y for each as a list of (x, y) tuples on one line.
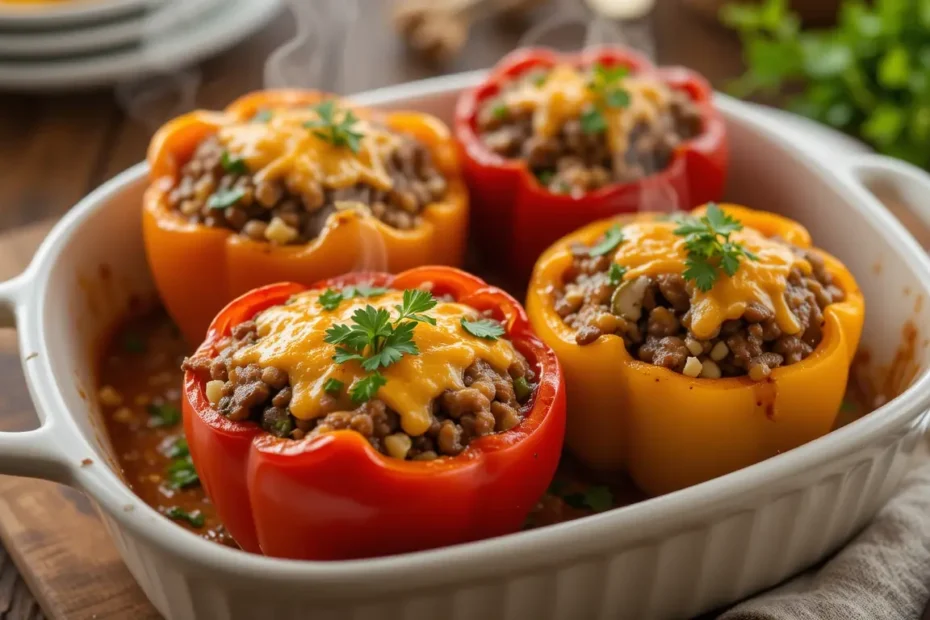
[(74, 44)]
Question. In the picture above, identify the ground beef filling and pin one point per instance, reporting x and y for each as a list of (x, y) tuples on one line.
[(271, 211), (490, 402), (752, 345), (575, 162)]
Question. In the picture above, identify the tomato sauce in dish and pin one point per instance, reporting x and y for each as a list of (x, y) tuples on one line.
[(139, 389)]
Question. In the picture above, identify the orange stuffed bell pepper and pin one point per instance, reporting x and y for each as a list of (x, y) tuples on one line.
[(298, 186), (373, 414), (697, 345)]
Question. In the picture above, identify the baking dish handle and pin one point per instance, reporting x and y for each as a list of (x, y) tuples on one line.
[(31, 453), (894, 180)]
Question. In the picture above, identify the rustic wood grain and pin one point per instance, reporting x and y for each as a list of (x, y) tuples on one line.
[(56, 149)]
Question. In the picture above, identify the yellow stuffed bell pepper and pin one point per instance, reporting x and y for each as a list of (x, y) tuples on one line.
[(290, 185), (678, 372)]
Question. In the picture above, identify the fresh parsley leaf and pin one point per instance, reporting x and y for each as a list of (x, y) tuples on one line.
[(262, 116), (344, 355), (483, 328), (178, 449), (133, 342), (415, 303), (233, 164), (545, 177), (338, 132), (867, 75), (522, 389), (181, 473), (365, 389), (363, 290), (281, 427), (592, 121), (701, 272), (617, 98), (500, 111), (612, 238), (330, 299), (194, 518), (161, 416), (539, 78), (333, 386), (225, 198), (707, 241), (599, 498), (615, 273)]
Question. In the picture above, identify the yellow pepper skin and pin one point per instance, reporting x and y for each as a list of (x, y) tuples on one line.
[(670, 431)]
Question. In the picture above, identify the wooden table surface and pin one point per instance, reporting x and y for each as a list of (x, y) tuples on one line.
[(55, 149)]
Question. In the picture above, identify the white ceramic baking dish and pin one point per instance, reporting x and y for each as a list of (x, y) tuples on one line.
[(672, 556)]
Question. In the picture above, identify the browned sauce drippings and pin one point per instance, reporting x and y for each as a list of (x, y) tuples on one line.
[(141, 362)]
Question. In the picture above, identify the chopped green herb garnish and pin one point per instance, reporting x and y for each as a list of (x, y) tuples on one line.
[(545, 177), (365, 389), (592, 121), (161, 416), (194, 518), (599, 498), (333, 386), (522, 389), (262, 116), (595, 498), (178, 449), (133, 342), (615, 273), (181, 473), (225, 198), (330, 299), (375, 341), (233, 164), (483, 328), (363, 290), (282, 427), (847, 406), (540, 79), (500, 111), (612, 238), (336, 131), (617, 99), (707, 240)]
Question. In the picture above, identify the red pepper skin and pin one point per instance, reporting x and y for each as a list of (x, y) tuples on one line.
[(334, 497), (516, 219)]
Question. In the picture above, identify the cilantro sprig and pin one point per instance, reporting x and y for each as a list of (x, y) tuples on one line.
[(707, 240), (607, 83), (869, 75), (336, 126), (194, 518), (376, 340)]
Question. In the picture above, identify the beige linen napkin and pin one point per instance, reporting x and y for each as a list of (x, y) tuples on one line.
[(882, 574)]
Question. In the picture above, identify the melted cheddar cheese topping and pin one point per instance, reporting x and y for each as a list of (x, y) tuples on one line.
[(651, 248), (291, 338), (284, 149), (565, 94)]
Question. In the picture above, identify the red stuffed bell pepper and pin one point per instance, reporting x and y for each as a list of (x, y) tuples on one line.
[(553, 142), (306, 455)]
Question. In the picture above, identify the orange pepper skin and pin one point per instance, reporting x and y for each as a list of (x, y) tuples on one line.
[(197, 270), (669, 431), (333, 496), (515, 218)]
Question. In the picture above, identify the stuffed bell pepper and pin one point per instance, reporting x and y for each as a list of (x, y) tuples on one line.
[(553, 142), (295, 186), (695, 345), (373, 414)]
